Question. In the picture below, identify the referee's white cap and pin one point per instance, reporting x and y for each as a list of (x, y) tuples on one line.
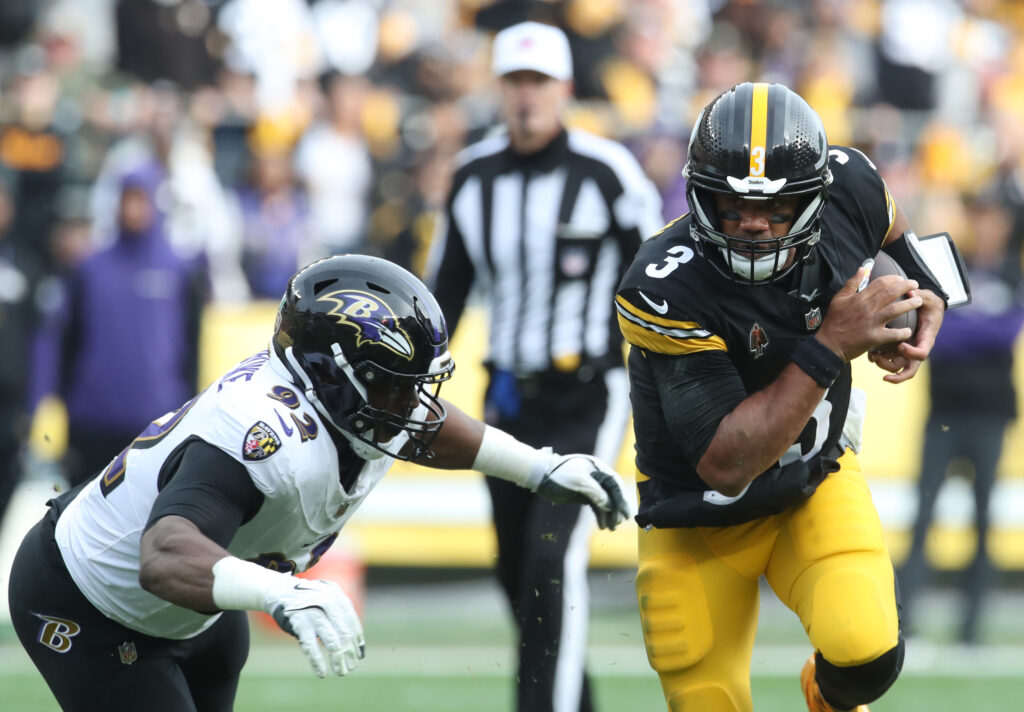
[(532, 46)]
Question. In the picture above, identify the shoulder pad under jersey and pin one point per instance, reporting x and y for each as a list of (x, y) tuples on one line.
[(662, 301)]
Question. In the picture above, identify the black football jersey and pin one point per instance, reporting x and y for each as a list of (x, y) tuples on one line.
[(673, 301)]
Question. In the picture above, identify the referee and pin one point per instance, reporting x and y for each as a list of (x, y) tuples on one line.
[(545, 220)]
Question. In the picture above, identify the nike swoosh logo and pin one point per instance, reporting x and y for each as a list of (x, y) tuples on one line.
[(287, 430), (660, 308)]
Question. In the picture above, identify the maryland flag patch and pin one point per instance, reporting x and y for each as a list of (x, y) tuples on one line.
[(260, 442)]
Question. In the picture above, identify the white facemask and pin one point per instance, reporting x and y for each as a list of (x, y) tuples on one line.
[(756, 269)]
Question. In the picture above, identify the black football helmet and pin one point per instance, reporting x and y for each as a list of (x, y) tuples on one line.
[(757, 141), (367, 342)]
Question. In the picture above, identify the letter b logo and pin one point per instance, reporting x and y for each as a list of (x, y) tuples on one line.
[(56, 633)]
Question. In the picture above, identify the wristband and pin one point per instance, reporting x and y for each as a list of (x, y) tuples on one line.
[(242, 585), (818, 361), (504, 457)]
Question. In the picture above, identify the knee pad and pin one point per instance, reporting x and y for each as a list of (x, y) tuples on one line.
[(846, 687), (674, 613)]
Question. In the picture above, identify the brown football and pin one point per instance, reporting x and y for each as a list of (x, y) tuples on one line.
[(884, 264)]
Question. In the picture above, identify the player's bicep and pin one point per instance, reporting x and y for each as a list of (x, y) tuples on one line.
[(697, 391), (205, 485)]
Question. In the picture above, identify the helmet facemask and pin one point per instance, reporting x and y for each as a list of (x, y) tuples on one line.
[(749, 260), (372, 405), (367, 343)]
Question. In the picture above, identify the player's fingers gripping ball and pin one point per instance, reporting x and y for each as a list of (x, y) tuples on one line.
[(886, 265)]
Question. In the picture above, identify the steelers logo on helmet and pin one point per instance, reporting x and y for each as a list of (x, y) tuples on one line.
[(366, 342), (761, 143)]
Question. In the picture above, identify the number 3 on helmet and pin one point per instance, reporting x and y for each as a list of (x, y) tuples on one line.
[(368, 344), (757, 141)]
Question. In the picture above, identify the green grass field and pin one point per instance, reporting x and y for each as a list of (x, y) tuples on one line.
[(440, 648), (491, 691)]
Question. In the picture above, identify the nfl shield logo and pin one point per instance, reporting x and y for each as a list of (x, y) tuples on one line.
[(127, 652), (813, 318)]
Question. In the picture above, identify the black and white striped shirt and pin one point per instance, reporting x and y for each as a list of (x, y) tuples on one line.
[(548, 236)]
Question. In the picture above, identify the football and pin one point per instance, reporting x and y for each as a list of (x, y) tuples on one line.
[(884, 264)]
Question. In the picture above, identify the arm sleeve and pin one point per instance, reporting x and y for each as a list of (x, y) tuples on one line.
[(450, 272), (211, 489), (697, 390)]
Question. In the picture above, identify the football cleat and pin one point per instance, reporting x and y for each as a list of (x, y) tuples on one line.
[(815, 702)]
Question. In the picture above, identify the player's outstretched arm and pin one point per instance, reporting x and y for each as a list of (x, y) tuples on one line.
[(181, 565), (466, 443)]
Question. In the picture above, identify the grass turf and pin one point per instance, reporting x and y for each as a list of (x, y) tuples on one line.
[(25, 692)]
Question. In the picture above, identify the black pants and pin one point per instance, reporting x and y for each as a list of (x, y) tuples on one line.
[(977, 438), (543, 548), (93, 664)]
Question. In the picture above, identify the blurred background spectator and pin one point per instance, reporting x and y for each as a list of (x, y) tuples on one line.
[(973, 398), (20, 272), (122, 345)]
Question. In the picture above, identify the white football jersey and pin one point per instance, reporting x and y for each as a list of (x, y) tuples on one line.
[(257, 416)]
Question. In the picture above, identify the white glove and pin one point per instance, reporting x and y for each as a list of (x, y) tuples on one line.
[(312, 609), (305, 608), (587, 480)]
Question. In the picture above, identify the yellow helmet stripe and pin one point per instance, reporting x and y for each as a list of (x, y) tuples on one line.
[(758, 129)]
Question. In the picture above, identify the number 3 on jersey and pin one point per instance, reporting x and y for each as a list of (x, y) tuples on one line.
[(677, 255)]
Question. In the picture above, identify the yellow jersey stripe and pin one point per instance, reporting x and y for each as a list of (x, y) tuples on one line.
[(758, 130), (662, 340), (890, 207), (622, 303)]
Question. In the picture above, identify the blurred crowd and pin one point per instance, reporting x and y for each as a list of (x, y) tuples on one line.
[(199, 151)]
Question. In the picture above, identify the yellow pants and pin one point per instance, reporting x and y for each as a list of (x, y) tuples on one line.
[(698, 591)]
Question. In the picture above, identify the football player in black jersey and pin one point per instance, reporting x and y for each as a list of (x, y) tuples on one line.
[(743, 317)]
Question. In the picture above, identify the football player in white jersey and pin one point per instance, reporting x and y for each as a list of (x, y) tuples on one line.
[(134, 584)]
